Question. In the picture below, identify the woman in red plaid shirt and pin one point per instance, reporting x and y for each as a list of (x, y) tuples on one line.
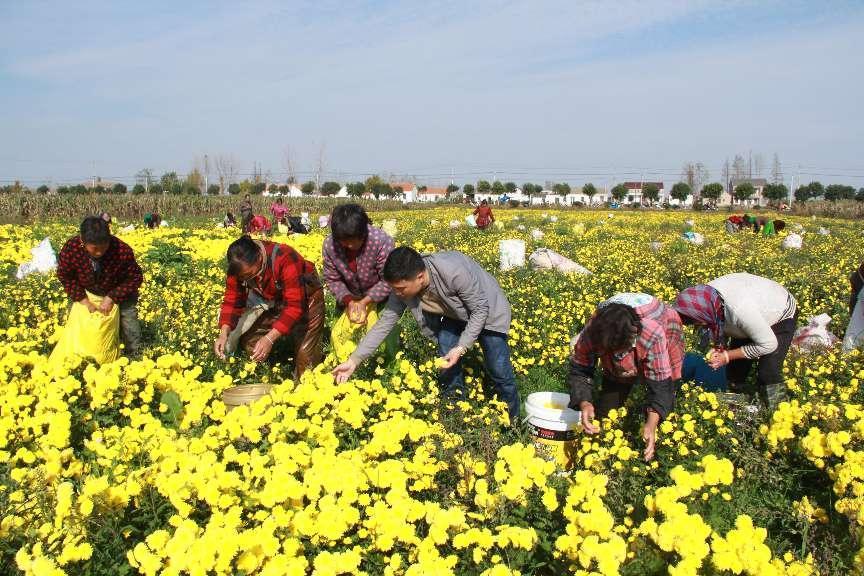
[(271, 292), (637, 338), (99, 263)]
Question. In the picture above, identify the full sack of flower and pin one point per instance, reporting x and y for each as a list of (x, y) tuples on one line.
[(89, 335), (345, 335)]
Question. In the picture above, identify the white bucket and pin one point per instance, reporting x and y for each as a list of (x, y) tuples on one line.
[(549, 418), (512, 253)]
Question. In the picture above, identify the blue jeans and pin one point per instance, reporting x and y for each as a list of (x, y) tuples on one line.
[(496, 359)]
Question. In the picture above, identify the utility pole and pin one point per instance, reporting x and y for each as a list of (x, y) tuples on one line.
[(206, 174)]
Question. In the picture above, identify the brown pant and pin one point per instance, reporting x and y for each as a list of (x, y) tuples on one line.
[(305, 336)]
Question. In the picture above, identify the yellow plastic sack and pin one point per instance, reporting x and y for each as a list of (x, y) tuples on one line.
[(579, 229), (345, 335), (390, 227), (89, 335)]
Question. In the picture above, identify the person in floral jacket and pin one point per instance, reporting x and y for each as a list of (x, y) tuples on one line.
[(354, 256)]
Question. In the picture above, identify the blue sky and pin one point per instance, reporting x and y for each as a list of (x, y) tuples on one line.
[(529, 91)]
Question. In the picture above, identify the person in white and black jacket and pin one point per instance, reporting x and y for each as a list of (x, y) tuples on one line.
[(758, 317)]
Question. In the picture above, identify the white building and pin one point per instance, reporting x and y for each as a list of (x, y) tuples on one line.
[(519, 196), (757, 199), (432, 194), (294, 191), (409, 191), (634, 191)]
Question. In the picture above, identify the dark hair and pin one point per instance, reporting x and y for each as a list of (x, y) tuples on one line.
[(484, 202), (243, 251), (349, 221), (779, 225), (94, 230), (613, 328), (403, 263)]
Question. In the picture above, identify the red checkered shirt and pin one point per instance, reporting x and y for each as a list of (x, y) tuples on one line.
[(658, 354), (120, 276), (288, 269)]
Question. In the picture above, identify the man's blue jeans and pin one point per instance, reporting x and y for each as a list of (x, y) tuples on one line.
[(496, 359)]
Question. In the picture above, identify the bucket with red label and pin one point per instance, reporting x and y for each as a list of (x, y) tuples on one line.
[(554, 426)]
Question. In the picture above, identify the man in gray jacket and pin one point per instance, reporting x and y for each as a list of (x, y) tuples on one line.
[(455, 302)]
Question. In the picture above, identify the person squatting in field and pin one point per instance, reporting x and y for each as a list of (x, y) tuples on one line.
[(271, 292)]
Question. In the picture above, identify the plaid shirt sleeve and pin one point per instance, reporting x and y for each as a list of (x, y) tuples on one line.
[(583, 352), (233, 303), (580, 377), (131, 275), (67, 271), (381, 290), (293, 292), (656, 364), (657, 369)]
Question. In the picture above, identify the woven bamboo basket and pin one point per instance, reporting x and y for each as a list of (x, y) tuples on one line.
[(244, 394)]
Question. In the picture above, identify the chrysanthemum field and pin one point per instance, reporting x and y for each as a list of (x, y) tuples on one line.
[(136, 467)]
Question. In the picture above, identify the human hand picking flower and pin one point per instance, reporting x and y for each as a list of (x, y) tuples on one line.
[(263, 348), (343, 371), (451, 358), (587, 410), (718, 359)]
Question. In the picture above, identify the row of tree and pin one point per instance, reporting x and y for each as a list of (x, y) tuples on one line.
[(193, 183)]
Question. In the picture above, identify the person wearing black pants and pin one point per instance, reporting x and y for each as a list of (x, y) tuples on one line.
[(769, 368), (756, 316)]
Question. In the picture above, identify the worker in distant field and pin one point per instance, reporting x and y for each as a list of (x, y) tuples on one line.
[(271, 292), (97, 262), (280, 212), (260, 225), (483, 216), (152, 220), (772, 227), (734, 223), (229, 221), (246, 213), (638, 340)]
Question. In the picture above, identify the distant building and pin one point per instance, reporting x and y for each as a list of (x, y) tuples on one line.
[(294, 191), (634, 192), (432, 195), (757, 199), (409, 190)]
